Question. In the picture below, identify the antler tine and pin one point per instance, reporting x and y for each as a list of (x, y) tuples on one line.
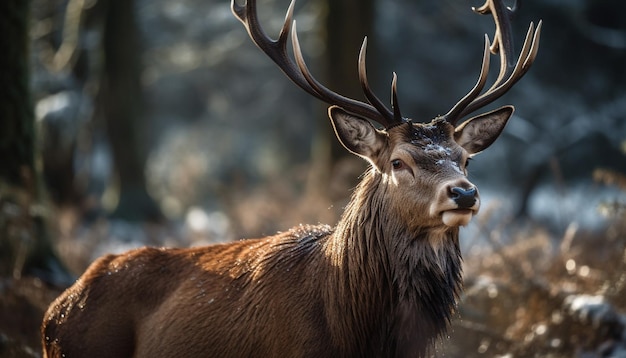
[(510, 71), (328, 96), (298, 71), (526, 59), (454, 114), (276, 50), (397, 116), (391, 117)]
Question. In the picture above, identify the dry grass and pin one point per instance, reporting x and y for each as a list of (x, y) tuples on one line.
[(523, 299)]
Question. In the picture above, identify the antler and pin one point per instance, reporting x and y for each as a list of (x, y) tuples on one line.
[(299, 73), (510, 72)]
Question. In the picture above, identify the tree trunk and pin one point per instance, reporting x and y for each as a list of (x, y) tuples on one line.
[(347, 23), (24, 239), (121, 105)]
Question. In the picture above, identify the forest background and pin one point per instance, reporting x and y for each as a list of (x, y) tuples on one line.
[(131, 123)]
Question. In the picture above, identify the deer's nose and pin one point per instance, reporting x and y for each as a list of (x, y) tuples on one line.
[(464, 198)]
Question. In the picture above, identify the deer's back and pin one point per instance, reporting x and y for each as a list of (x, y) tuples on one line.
[(255, 297)]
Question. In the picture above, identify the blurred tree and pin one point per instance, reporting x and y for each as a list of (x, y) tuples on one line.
[(24, 240), (120, 103), (347, 23), (60, 107)]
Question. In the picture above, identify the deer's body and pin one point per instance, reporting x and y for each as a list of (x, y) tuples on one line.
[(382, 283), (309, 292)]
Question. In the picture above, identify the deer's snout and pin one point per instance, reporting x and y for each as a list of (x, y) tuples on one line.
[(456, 203), (464, 198)]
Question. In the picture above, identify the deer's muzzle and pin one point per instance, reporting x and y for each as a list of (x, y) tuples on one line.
[(456, 203)]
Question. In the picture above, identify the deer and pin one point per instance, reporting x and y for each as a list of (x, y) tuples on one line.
[(385, 281)]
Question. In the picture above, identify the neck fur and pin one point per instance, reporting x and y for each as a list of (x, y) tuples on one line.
[(400, 287)]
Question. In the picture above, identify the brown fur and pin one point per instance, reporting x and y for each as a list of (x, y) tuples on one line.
[(383, 283)]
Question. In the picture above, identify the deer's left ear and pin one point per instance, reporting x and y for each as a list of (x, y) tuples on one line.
[(478, 133), (356, 134)]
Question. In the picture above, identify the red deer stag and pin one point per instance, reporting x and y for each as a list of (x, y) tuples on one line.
[(382, 283)]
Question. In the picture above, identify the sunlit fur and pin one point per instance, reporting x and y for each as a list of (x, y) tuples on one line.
[(383, 283)]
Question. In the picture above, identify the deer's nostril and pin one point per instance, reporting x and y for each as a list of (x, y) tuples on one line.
[(464, 198)]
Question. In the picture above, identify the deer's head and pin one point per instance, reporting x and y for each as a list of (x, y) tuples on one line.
[(423, 165)]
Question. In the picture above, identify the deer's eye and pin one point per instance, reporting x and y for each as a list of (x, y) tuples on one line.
[(397, 164)]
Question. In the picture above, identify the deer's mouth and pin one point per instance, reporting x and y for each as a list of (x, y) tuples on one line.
[(457, 217)]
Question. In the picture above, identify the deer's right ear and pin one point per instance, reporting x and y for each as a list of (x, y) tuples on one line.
[(358, 135)]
